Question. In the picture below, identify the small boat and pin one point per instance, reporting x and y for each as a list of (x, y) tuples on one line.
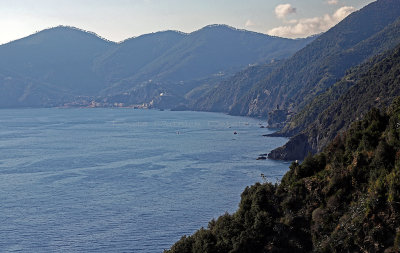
[(235, 133), (262, 158)]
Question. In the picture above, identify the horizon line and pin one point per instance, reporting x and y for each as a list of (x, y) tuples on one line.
[(133, 37)]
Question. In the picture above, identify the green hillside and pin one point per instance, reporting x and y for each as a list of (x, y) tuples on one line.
[(386, 39), (376, 87), (323, 62), (345, 199)]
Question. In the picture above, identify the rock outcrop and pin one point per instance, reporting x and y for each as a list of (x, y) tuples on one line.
[(296, 149)]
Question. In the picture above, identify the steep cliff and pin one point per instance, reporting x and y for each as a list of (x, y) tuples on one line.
[(345, 199), (377, 85)]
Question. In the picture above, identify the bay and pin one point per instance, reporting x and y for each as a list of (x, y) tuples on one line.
[(122, 180)]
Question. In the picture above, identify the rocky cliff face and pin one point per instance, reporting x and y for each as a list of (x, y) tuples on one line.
[(296, 149)]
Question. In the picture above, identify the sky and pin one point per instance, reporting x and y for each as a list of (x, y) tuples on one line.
[(117, 20)]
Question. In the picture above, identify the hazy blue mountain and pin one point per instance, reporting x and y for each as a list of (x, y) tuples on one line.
[(62, 57), (322, 63), (22, 91), (130, 56), (212, 51), (219, 48), (81, 66), (230, 91)]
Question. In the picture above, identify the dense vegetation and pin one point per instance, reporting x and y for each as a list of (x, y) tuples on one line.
[(374, 84), (385, 40), (323, 62), (345, 199)]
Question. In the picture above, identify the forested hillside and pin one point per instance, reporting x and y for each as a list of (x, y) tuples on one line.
[(347, 198), (374, 84), (323, 62), (385, 39)]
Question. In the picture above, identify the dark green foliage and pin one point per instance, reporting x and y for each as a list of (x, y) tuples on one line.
[(375, 87), (345, 199), (184, 245), (314, 69), (384, 40)]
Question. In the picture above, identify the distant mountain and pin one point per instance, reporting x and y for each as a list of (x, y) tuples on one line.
[(219, 48), (230, 91), (83, 67), (131, 56), (61, 57), (214, 51), (323, 62), (21, 91), (374, 85)]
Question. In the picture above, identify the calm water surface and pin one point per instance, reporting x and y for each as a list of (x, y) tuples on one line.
[(121, 180)]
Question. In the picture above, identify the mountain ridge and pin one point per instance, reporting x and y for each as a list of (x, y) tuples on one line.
[(308, 72), (377, 86), (391, 36), (82, 63), (60, 56)]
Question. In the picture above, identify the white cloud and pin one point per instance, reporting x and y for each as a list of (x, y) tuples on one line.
[(343, 12), (282, 10), (249, 23), (332, 2), (309, 26)]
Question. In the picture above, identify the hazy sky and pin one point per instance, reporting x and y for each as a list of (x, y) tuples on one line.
[(120, 19)]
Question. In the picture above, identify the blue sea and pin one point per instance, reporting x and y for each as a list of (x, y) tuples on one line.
[(122, 180)]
